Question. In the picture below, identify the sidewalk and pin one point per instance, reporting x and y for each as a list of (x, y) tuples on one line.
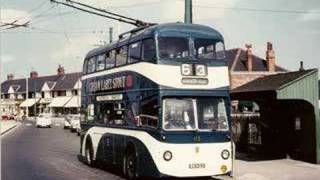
[(283, 169), (7, 125)]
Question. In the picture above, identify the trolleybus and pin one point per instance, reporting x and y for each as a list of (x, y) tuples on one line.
[(157, 103)]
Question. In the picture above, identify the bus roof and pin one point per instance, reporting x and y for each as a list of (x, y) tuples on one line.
[(168, 29)]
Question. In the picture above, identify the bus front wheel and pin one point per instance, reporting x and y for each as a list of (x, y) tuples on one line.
[(130, 165), (89, 155)]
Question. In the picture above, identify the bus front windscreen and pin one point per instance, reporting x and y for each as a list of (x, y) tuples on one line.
[(195, 114)]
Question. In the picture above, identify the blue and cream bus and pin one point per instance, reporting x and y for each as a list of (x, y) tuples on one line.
[(157, 103)]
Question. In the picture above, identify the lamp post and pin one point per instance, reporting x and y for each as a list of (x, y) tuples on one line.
[(27, 97), (35, 97)]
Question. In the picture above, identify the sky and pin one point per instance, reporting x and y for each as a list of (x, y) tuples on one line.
[(61, 35)]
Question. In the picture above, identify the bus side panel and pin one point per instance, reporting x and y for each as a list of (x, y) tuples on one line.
[(112, 149), (146, 165), (105, 149)]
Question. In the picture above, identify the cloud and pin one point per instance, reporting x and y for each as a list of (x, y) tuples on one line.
[(172, 11), (310, 15), (7, 58), (74, 49), (210, 9)]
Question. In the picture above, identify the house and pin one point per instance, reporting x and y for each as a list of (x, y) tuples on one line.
[(286, 122), (59, 93)]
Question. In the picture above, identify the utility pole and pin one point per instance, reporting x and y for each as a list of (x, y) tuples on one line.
[(188, 11), (35, 98), (27, 96), (110, 34)]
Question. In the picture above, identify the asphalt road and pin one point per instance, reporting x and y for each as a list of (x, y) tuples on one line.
[(30, 153)]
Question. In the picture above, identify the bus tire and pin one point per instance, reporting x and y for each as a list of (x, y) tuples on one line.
[(89, 154), (130, 165)]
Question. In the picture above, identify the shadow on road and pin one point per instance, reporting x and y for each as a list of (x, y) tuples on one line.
[(117, 172)]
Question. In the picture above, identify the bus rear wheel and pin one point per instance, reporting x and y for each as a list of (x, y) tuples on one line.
[(130, 166)]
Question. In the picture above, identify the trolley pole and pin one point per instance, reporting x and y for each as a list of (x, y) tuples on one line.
[(188, 11)]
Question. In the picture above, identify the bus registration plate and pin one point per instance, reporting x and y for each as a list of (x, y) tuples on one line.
[(197, 166)]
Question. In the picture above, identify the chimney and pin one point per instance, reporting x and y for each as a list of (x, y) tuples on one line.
[(270, 57), (249, 57), (33, 74), (10, 77), (301, 66), (60, 70)]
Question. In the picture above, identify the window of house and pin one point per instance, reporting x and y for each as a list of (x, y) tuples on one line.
[(110, 59), (91, 65), (42, 94), (74, 92), (61, 93), (134, 52), (100, 62), (121, 56), (149, 52)]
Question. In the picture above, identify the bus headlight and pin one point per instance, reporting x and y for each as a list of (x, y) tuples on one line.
[(186, 69), (225, 154), (167, 155), (201, 70)]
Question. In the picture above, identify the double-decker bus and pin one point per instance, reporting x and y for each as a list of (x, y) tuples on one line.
[(157, 103)]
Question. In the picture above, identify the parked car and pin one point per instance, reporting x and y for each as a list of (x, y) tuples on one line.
[(67, 120), (8, 117), (44, 120), (75, 123)]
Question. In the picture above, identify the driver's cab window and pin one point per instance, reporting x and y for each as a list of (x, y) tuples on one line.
[(179, 114)]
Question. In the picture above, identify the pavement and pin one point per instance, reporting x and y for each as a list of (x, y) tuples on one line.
[(30, 153), (283, 169), (7, 125)]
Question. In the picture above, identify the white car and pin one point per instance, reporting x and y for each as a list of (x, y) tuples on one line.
[(67, 124), (44, 120), (75, 123)]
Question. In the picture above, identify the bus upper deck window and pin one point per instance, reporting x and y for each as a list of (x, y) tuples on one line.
[(110, 59), (148, 52), (134, 52), (209, 49), (85, 67), (100, 62), (121, 56), (91, 66), (220, 50), (173, 47)]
